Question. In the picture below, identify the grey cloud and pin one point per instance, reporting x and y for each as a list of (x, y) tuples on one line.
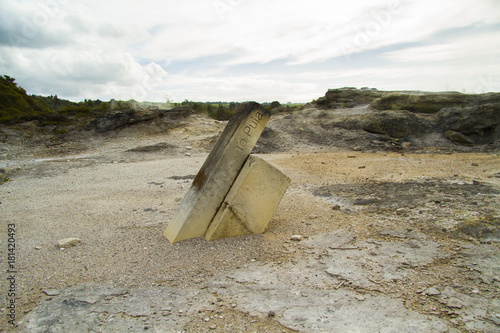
[(30, 26)]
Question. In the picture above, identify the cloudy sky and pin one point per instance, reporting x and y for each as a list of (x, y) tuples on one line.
[(240, 50)]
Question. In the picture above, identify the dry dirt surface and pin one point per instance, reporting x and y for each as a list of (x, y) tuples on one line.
[(390, 241)]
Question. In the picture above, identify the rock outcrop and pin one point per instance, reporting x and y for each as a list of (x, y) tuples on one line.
[(120, 118), (480, 123), (464, 119), (396, 124), (348, 97)]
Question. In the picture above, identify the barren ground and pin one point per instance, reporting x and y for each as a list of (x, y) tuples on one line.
[(404, 241)]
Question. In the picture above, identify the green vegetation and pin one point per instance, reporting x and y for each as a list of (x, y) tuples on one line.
[(224, 110), (425, 103), (431, 102), (17, 107), (15, 104), (215, 110)]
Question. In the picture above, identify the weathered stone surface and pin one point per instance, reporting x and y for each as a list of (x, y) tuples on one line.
[(298, 296), (120, 118), (481, 122), (349, 97), (251, 202), (396, 124), (95, 307), (213, 181)]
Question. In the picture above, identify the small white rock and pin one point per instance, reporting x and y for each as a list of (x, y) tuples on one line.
[(432, 291), (52, 292), (187, 154), (296, 237), (68, 242)]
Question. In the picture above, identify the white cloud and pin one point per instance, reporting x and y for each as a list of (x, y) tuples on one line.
[(82, 74), (249, 87), (124, 49), (464, 48)]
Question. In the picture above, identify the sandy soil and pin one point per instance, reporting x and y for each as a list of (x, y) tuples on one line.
[(118, 194)]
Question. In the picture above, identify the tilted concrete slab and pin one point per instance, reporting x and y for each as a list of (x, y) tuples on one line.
[(213, 181), (251, 201)]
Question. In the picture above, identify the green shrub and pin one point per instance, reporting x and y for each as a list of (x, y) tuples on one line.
[(76, 109), (222, 113), (8, 114), (16, 105)]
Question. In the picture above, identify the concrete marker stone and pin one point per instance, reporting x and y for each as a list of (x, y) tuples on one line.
[(216, 176), (251, 201)]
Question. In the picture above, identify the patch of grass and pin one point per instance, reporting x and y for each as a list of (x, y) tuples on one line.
[(424, 103), (3, 178), (60, 131)]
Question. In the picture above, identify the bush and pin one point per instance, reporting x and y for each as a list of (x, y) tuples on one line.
[(222, 113), (16, 105), (9, 114), (80, 110)]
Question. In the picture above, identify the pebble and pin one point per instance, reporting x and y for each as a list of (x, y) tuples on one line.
[(296, 237), (336, 207), (432, 291), (271, 314), (52, 292), (68, 242), (212, 327), (400, 211), (406, 145), (187, 154)]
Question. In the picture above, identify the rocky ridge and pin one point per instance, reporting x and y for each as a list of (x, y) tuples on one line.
[(375, 120)]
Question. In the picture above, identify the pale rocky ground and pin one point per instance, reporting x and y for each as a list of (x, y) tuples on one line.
[(403, 241)]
